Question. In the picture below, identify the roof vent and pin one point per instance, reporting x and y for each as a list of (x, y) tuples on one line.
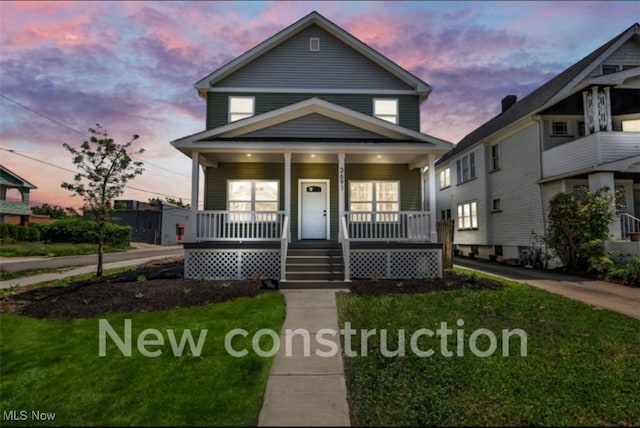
[(314, 44), (508, 101)]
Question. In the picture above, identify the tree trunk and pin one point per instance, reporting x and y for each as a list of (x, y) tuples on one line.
[(100, 251)]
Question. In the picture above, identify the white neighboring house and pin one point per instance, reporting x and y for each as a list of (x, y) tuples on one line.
[(581, 129)]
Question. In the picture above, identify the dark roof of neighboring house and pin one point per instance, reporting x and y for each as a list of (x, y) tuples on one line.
[(15, 178), (533, 101)]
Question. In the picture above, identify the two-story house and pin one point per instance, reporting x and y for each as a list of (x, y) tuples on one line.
[(12, 183), (579, 130), (312, 139)]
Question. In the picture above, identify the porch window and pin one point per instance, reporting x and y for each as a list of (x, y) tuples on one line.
[(240, 108), (559, 129), (445, 178), (253, 200), (468, 216), (386, 109), (379, 197)]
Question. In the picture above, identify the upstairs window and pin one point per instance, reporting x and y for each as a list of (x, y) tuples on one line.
[(559, 129), (241, 107), (445, 178), (386, 109), (608, 69), (466, 168), (314, 44), (495, 157)]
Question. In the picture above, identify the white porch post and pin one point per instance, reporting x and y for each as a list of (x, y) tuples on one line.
[(607, 97), (287, 190), (596, 113), (587, 113), (341, 180), (192, 234), (432, 198)]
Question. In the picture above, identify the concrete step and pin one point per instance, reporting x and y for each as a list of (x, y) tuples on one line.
[(313, 284), (315, 275)]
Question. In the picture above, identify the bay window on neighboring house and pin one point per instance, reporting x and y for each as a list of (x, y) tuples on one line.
[(468, 216), (379, 197), (466, 168), (253, 200), (241, 107)]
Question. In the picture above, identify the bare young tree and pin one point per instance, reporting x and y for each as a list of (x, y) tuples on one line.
[(105, 168)]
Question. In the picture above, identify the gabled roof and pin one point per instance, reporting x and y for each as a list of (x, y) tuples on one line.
[(550, 92), (372, 124), (9, 178), (314, 18)]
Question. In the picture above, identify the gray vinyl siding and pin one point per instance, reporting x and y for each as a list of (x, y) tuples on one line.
[(335, 66), (628, 54), (218, 105), (410, 186), (313, 125), (320, 171), (215, 189)]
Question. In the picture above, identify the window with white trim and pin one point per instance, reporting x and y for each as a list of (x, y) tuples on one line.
[(466, 168), (445, 178), (241, 107), (386, 109), (253, 200), (379, 197), (468, 216), (559, 129), (314, 44)]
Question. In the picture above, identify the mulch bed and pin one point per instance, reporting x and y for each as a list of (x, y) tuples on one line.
[(163, 287), (449, 281), (159, 286)]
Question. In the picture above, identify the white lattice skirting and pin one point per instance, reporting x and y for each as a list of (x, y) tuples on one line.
[(396, 264), (231, 264)]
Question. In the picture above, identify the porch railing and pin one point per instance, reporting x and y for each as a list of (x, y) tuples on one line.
[(284, 247), (628, 224), (388, 226), (239, 225), (346, 250)]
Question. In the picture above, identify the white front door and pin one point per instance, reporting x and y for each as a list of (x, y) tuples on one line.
[(314, 210)]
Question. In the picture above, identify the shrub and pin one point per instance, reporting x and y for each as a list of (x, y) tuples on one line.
[(11, 233), (628, 273), (78, 230)]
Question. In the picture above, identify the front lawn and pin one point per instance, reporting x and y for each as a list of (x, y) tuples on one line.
[(54, 366), (581, 368), (29, 249)]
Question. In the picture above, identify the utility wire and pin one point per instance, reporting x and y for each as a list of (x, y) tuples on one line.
[(57, 122), (75, 172)]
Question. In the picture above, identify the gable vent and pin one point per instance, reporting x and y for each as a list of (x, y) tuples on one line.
[(314, 44)]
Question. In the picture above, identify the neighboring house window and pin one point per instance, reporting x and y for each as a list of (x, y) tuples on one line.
[(445, 214), (580, 188), (247, 196), (495, 157), (632, 125), (496, 204), (608, 69), (379, 197), (468, 216), (621, 198), (559, 129), (386, 109), (445, 178), (466, 168), (581, 131), (240, 108)]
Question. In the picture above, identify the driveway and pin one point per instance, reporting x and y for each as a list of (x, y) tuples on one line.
[(602, 294)]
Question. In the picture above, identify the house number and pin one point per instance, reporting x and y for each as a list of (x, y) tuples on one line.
[(341, 177)]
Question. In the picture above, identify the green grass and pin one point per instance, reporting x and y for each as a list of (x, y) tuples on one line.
[(54, 366), (581, 366), (6, 275), (28, 249)]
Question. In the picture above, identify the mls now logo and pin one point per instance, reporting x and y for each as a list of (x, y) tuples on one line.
[(148, 338)]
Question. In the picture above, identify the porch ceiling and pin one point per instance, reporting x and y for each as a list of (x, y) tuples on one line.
[(416, 160)]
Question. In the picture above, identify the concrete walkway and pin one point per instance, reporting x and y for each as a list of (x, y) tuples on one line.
[(307, 390), (601, 294)]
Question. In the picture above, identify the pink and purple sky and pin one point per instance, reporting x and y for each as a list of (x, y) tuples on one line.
[(131, 66)]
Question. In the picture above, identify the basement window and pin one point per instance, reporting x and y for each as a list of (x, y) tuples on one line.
[(314, 44)]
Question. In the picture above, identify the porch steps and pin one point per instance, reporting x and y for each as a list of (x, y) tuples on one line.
[(314, 265)]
